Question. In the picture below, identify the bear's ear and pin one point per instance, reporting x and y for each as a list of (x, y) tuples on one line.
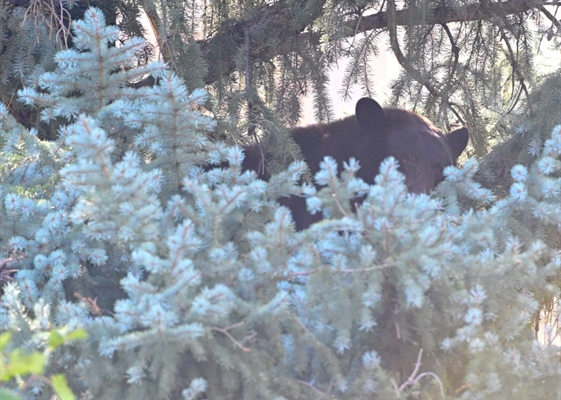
[(370, 115), (457, 140)]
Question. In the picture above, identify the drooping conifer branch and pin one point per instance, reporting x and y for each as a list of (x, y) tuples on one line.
[(224, 63)]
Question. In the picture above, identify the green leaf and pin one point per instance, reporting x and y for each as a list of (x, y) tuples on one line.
[(77, 334), (4, 339), (21, 363), (55, 340), (8, 395), (62, 390)]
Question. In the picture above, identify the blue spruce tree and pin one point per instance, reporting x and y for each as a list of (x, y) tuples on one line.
[(193, 283)]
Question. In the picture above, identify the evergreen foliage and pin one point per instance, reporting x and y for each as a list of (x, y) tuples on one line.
[(192, 282), (34, 31), (463, 62), (525, 144)]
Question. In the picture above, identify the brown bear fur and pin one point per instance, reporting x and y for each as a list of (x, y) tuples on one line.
[(371, 135)]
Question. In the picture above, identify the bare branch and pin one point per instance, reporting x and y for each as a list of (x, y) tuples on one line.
[(225, 331), (411, 379)]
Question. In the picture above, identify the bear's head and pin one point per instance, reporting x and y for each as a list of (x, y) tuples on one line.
[(421, 149)]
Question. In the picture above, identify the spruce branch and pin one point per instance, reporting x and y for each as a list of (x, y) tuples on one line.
[(414, 72), (404, 61), (415, 376), (515, 66), (5, 273), (456, 56), (261, 50), (316, 390), (550, 16), (38, 10), (365, 269), (411, 378), (91, 303), (225, 331)]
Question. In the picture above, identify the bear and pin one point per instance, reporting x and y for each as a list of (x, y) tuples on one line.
[(371, 135)]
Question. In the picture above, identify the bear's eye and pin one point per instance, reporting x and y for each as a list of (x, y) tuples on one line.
[(407, 160)]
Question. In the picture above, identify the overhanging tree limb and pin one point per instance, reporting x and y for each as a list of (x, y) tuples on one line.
[(443, 15), (407, 65), (276, 14)]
